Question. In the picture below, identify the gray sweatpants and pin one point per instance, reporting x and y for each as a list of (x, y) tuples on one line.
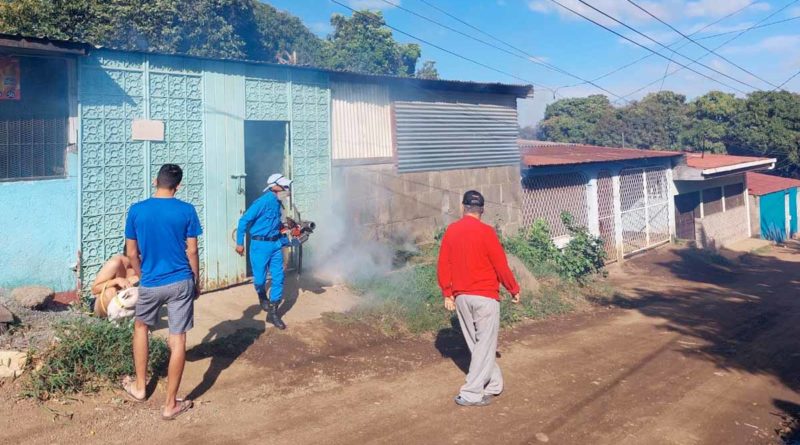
[(480, 322)]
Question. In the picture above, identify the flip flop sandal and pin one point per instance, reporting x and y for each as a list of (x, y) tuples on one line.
[(186, 405), (127, 382)]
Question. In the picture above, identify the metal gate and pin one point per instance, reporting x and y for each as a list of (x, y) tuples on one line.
[(644, 201), (605, 207)]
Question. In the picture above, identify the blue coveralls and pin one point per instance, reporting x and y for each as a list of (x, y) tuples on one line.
[(263, 218)]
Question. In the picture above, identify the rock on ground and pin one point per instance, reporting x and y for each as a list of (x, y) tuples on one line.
[(33, 297), (527, 282), (12, 364)]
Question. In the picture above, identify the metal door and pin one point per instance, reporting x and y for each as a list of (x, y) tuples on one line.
[(644, 200), (687, 209), (773, 216)]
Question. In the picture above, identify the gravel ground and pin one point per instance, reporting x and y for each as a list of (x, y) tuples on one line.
[(35, 328)]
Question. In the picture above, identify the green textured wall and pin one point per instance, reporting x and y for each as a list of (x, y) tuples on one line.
[(203, 104)]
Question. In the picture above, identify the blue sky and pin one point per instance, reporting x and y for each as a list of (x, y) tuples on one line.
[(555, 36)]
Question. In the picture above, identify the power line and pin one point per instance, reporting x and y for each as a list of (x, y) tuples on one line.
[(670, 49), (787, 81), (698, 43), (492, 45), (642, 46), (731, 14), (505, 73), (777, 22), (739, 34), (520, 53)]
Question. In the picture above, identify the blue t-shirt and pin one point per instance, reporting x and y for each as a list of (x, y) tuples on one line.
[(161, 226)]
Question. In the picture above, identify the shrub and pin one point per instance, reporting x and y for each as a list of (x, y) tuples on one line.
[(89, 352), (535, 248), (583, 255)]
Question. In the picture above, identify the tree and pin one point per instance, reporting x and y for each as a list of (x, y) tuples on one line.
[(710, 121), (658, 121), (428, 70), (574, 119), (529, 132), (364, 44), (769, 125), (228, 29)]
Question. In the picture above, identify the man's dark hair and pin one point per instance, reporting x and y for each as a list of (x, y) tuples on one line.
[(169, 177)]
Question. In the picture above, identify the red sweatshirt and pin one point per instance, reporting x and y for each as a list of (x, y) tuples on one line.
[(472, 261)]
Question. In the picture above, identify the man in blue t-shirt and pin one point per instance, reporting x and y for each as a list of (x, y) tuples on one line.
[(161, 242)]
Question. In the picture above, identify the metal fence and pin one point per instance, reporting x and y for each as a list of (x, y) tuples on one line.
[(547, 196), (644, 202)]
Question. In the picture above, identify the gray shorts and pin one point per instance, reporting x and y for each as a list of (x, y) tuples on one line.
[(179, 298)]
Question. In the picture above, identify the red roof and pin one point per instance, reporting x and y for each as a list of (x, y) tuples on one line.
[(761, 184), (540, 154), (704, 161)]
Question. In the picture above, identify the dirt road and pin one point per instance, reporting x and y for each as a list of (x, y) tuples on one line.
[(692, 351)]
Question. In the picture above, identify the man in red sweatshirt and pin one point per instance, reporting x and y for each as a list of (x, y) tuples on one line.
[(472, 265)]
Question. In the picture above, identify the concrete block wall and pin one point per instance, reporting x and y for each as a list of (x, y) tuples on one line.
[(413, 206), (720, 229)]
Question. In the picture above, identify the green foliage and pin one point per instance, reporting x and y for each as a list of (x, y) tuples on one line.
[(582, 257), (363, 43), (406, 299), (232, 29), (763, 124), (428, 70), (535, 248), (584, 254), (89, 352)]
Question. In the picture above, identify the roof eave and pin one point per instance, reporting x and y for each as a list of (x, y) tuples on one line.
[(687, 173)]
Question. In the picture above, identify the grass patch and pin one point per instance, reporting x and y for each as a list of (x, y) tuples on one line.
[(88, 354)]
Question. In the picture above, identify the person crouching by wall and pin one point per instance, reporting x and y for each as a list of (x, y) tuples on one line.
[(471, 267)]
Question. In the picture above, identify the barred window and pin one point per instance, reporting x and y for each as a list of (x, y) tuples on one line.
[(33, 126), (712, 201), (734, 196)]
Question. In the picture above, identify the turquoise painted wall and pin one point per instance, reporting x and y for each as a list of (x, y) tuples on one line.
[(203, 104), (39, 226)]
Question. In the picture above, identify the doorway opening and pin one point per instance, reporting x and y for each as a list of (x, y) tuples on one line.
[(265, 152)]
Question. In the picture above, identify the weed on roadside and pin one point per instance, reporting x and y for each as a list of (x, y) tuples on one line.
[(87, 354)]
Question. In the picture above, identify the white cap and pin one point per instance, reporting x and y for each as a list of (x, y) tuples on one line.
[(278, 179)]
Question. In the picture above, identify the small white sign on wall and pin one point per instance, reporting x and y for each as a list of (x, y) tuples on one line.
[(147, 130)]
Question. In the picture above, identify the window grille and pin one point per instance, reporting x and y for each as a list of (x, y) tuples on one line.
[(33, 129), (547, 196), (32, 148)]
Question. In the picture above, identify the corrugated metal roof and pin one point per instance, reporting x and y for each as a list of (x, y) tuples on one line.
[(706, 161), (441, 84), (760, 184), (543, 153)]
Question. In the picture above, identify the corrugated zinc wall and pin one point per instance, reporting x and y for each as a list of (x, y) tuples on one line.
[(361, 121), (460, 132)]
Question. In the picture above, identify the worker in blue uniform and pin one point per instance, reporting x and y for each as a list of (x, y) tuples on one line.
[(267, 240)]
